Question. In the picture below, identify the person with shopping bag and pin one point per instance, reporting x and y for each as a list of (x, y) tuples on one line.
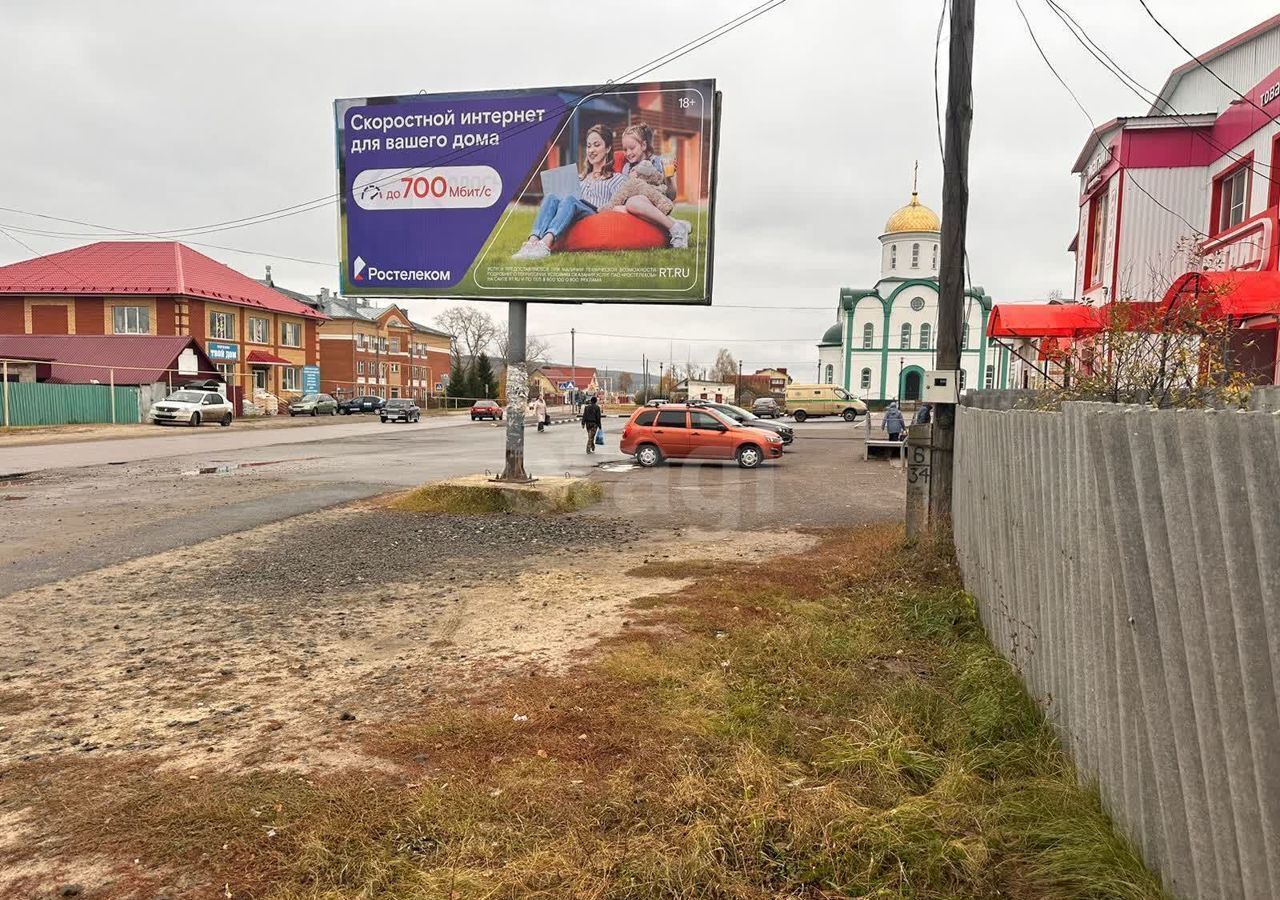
[(540, 412), (592, 421)]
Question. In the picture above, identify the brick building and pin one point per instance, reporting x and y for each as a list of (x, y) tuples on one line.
[(368, 349), (259, 339)]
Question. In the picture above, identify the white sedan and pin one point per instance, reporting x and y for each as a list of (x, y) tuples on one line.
[(192, 408)]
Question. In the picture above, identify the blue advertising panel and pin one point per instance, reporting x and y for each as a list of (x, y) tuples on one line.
[(571, 194), (310, 379), (219, 352)]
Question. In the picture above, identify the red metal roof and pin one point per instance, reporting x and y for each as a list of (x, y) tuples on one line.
[(1035, 320), (579, 375), (263, 358), (162, 268), (1237, 294), (85, 358)]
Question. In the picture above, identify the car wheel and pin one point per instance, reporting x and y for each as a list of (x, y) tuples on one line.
[(383, 419), (799, 415), (315, 411), (850, 415), (648, 455), (749, 456), (334, 411), (195, 420), (226, 420)]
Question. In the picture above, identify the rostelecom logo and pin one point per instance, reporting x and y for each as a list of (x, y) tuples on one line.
[(358, 266)]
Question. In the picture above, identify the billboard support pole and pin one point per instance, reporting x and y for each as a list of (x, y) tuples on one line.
[(517, 393)]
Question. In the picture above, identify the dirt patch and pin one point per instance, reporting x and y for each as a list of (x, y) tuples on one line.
[(276, 647)]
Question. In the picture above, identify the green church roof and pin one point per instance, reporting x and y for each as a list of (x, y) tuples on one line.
[(832, 336)]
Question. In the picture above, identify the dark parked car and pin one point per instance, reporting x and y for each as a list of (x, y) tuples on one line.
[(400, 409), (742, 417), (364, 404), (767, 408)]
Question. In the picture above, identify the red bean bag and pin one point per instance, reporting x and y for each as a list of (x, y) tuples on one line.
[(612, 230)]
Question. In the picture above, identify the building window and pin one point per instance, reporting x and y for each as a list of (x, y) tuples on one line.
[(291, 334), (964, 336), (905, 342), (989, 379), (131, 319), (289, 378), (259, 330), (893, 256), (395, 368), (1097, 238), (395, 345), (964, 376), (360, 367), (915, 256), (868, 336), (917, 303), (864, 380), (382, 344), (935, 256), (227, 371), (1231, 197), (222, 325), (831, 373), (926, 335)]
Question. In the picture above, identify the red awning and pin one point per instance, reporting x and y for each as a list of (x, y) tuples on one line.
[(263, 358), (1236, 294), (1036, 320)]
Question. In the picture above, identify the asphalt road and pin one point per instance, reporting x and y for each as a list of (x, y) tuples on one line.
[(87, 505)]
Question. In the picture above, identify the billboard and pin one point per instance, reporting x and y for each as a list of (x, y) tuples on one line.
[(565, 194)]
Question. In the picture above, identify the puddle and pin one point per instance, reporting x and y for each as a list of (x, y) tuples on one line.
[(618, 467)]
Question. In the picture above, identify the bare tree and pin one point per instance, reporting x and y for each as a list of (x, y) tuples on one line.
[(625, 382), (473, 330), (535, 349), (725, 368)]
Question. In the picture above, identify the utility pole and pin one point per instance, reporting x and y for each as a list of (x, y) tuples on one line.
[(517, 393), (573, 365), (955, 220), (738, 397), (659, 376)]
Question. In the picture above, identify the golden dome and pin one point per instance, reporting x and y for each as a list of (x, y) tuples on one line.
[(913, 217)]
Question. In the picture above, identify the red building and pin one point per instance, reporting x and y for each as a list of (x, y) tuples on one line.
[(258, 339), (1191, 185)]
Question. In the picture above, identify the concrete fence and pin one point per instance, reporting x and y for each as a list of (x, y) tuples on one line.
[(1127, 562)]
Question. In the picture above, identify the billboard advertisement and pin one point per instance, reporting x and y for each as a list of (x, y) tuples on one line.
[(565, 194)]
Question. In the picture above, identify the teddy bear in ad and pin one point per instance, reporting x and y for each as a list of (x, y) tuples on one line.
[(646, 181)]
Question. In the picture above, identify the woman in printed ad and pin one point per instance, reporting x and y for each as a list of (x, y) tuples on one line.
[(596, 188)]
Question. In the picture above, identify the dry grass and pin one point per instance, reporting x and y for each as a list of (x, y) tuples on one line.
[(808, 728), (453, 498)]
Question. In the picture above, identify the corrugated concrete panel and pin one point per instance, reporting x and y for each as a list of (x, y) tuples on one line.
[(1127, 562)]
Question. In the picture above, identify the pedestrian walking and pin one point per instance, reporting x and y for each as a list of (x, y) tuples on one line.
[(893, 422), (591, 420), (540, 411), (923, 415)]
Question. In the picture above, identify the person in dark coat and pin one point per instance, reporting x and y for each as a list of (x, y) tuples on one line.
[(893, 422), (591, 419), (923, 415)]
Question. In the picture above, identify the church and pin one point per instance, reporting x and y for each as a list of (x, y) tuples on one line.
[(884, 338)]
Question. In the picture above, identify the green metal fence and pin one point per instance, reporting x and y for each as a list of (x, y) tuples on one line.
[(67, 404)]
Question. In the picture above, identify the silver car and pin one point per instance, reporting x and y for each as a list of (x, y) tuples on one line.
[(192, 408)]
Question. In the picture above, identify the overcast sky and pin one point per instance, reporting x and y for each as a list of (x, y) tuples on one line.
[(153, 114)]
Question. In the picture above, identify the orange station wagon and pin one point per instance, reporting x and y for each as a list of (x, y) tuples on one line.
[(675, 431)]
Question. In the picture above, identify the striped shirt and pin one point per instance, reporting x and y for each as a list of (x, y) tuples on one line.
[(599, 191)]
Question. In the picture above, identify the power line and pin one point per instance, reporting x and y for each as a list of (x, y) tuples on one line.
[(708, 37), (1202, 64), (1143, 93), (1093, 125)]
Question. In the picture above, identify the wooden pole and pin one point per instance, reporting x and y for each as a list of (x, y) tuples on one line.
[(5, 377), (112, 389), (951, 276)]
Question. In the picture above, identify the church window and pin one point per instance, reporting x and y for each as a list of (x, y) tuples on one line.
[(905, 343), (865, 380), (831, 373), (926, 335), (868, 336), (964, 336), (989, 380), (917, 303), (935, 256), (915, 256), (893, 256), (964, 376)]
